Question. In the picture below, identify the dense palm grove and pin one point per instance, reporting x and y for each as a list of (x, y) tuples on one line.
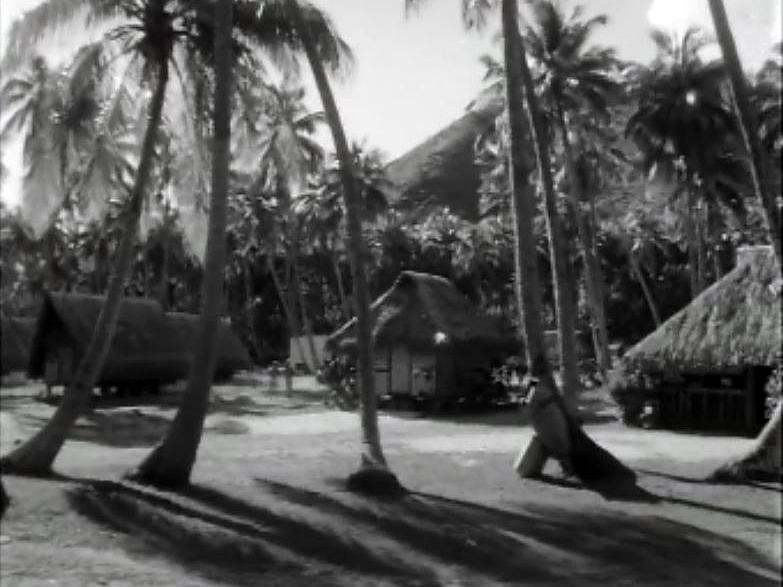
[(643, 172), (287, 269)]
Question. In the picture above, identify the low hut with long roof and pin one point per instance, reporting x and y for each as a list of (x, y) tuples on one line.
[(713, 358), (150, 348), (429, 341)]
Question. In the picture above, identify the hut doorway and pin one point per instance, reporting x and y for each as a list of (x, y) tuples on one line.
[(400, 370)]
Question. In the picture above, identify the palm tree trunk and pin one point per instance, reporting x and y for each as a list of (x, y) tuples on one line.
[(290, 316), (762, 458), (372, 458), (250, 308), (637, 272), (557, 433), (338, 274), (761, 171), (165, 302), (691, 234), (171, 462), (581, 206), (563, 283), (554, 435), (701, 242), (307, 328), (35, 457)]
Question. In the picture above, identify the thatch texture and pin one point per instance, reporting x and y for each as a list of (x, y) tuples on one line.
[(144, 347), (441, 170), (16, 337), (148, 346), (420, 306), (232, 354), (734, 323)]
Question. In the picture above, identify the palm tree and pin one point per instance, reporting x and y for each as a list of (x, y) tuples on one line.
[(557, 433), (563, 278), (575, 79), (763, 188), (158, 35), (275, 148), (170, 463), (374, 473), (682, 111), (75, 139), (321, 208), (37, 454)]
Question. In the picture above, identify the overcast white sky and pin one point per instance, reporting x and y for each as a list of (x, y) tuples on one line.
[(415, 75)]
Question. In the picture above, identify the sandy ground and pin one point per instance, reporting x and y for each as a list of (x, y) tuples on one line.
[(267, 500)]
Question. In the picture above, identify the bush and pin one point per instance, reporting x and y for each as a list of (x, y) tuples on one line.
[(629, 389), (339, 375)]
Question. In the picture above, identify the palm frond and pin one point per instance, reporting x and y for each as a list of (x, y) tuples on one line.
[(50, 15)]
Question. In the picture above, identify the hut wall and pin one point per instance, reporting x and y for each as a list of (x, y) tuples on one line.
[(382, 370), (400, 380), (423, 374), (728, 401), (445, 379)]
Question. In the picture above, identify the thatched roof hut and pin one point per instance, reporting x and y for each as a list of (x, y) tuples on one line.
[(733, 324), (144, 347), (16, 337), (148, 346), (441, 170), (423, 311), (232, 354)]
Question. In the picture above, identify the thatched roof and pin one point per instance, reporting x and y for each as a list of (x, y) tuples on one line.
[(144, 345), (149, 345), (734, 323), (16, 337), (420, 306), (232, 354), (441, 170)]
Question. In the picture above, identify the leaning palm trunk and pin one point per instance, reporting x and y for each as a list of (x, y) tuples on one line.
[(373, 463), (563, 279), (290, 316), (762, 460), (35, 457), (171, 462), (761, 170), (557, 433), (593, 279)]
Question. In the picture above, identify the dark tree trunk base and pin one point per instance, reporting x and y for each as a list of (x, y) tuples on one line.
[(22, 466), (4, 500), (375, 483), (593, 464)]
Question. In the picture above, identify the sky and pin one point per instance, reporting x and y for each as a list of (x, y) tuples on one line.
[(414, 75)]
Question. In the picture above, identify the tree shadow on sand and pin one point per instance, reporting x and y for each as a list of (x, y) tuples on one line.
[(639, 549), (218, 535), (417, 539)]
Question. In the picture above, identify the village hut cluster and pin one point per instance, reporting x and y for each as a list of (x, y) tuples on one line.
[(711, 361)]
